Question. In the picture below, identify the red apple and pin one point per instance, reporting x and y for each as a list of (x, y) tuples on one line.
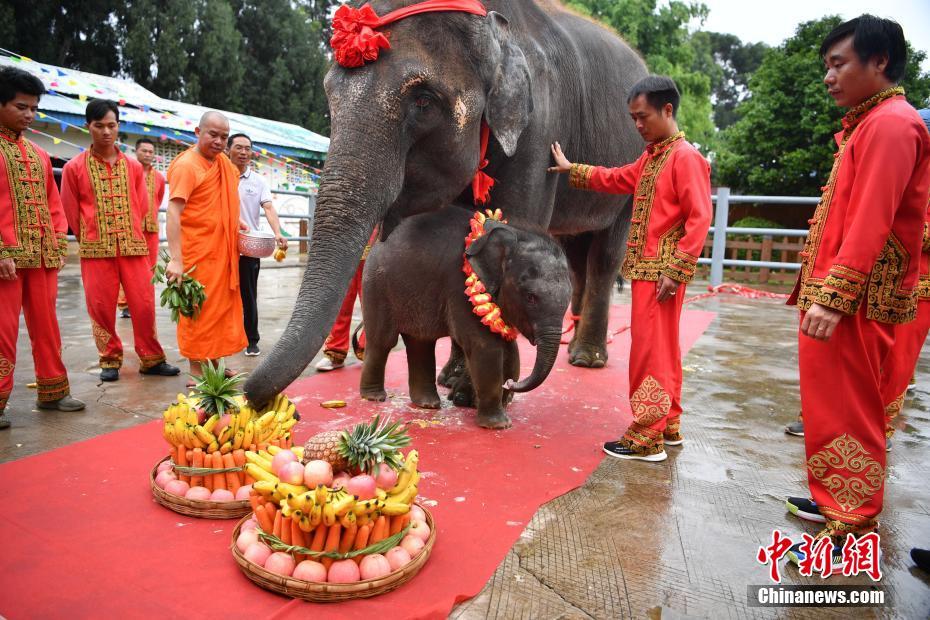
[(362, 486), (387, 477)]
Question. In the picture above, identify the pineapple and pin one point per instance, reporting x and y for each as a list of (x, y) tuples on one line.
[(361, 449), (216, 392)]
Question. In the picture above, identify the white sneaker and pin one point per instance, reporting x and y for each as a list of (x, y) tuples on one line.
[(326, 364)]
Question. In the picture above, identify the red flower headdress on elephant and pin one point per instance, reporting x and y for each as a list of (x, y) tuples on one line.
[(355, 42)]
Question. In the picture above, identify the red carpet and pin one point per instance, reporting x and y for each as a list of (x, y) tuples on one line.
[(83, 538)]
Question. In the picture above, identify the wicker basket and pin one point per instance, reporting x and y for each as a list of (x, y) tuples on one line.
[(333, 592), (205, 509)]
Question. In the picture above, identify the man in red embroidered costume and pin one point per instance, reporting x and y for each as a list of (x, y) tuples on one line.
[(155, 190), (909, 337), (672, 211), (336, 345), (105, 201), (33, 246), (858, 276)]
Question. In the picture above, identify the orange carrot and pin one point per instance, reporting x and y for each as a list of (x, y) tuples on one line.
[(398, 523), (253, 448), (173, 454), (277, 525), (208, 464), (332, 543), (348, 537), (197, 461), (263, 445), (264, 521), (239, 460), (271, 510), (232, 477), (361, 541), (298, 539), (253, 502), (380, 531), (319, 539), (183, 462), (219, 480)]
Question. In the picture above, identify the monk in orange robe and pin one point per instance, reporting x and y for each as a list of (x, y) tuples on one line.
[(203, 224)]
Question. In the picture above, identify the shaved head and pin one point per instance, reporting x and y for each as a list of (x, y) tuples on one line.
[(212, 134)]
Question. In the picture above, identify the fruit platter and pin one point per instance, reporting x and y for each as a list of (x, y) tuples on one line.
[(336, 519), (209, 431)]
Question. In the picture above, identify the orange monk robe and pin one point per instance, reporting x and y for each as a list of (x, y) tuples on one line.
[(209, 240)]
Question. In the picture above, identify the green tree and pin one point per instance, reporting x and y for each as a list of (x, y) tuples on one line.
[(729, 63), (783, 142), (215, 79), (661, 35)]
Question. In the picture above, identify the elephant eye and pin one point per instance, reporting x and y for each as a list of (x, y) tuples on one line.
[(423, 101), (531, 299)]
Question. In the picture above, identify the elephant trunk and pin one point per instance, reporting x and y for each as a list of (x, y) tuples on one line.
[(352, 200), (547, 350)]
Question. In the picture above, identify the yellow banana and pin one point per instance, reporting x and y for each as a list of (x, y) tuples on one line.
[(286, 508), (291, 408), (259, 474), (277, 401), (263, 421), (257, 459), (329, 515), (191, 416), (225, 435), (212, 447), (168, 433), (406, 496), (403, 481), (179, 429), (211, 423), (299, 451), (248, 434), (272, 450), (182, 398), (304, 523), (265, 487), (393, 509), (348, 519), (237, 440), (316, 515), (171, 413), (190, 439), (303, 502), (291, 489), (322, 494), (226, 448), (366, 507), (204, 435), (286, 425), (343, 504)]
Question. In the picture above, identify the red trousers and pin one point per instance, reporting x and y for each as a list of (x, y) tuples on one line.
[(909, 339), (655, 365), (844, 420), (151, 240), (336, 346), (34, 291), (102, 278)]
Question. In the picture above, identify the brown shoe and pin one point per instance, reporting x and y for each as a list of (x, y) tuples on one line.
[(65, 403)]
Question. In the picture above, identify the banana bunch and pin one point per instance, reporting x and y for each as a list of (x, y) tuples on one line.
[(310, 507), (246, 426)]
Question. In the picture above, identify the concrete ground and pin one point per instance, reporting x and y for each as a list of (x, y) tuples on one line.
[(639, 540)]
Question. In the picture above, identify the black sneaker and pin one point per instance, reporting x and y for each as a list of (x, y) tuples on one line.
[(921, 557), (109, 374), (124, 313), (804, 508), (624, 450), (162, 369), (796, 428), (5, 424), (252, 350)]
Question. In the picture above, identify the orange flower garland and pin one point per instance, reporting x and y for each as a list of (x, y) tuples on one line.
[(482, 303)]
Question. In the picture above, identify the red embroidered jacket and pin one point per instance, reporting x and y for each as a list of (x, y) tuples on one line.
[(33, 229), (106, 205), (867, 232), (155, 190), (670, 183)]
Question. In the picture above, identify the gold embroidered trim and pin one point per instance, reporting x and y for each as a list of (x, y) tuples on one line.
[(115, 234), (111, 361), (52, 389), (150, 224), (149, 361), (101, 336), (923, 287), (680, 265), (650, 402), (852, 118), (888, 300), (926, 244), (847, 472), (673, 429), (35, 238), (642, 440), (892, 410), (651, 267), (656, 147), (3, 400), (6, 367), (579, 176)]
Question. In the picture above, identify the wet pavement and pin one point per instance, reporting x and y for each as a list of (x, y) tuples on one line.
[(675, 539)]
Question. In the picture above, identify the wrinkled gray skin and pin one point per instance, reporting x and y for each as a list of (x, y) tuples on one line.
[(405, 138), (413, 287)]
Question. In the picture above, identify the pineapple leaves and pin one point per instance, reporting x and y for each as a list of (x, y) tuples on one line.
[(369, 444), (216, 392)]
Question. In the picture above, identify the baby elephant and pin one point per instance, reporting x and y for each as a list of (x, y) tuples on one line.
[(413, 286)]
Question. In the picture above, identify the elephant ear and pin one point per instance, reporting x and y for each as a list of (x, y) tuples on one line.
[(488, 254), (509, 102)]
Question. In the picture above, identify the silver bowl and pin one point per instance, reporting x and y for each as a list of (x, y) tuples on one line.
[(256, 243)]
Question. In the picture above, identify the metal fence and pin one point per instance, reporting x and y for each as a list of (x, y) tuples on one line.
[(723, 200)]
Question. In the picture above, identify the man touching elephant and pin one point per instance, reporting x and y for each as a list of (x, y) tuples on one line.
[(672, 211)]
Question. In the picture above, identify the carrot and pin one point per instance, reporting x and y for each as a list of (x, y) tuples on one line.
[(319, 539), (263, 446), (298, 539), (380, 530), (398, 523), (348, 537), (361, 541), (173, 454), (264, 521), (277, 525), (219, 480), (253, 448), (197, 461), (332, 543), (271, 510), (253, 502), (208, 464), (232, 477), (183, 462), (239, 460)]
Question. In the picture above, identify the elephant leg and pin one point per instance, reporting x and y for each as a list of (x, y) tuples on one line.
[(603, 262), (421, 370), (576, 251), (486, 364), (379, 340), (454, 367), (511, 368)]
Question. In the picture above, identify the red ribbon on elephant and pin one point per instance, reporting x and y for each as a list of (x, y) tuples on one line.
[(355, 41), (482, 183)]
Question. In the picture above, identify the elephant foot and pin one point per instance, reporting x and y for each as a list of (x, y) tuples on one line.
[(588, 356), (462, 393), (506, 398), (375, 394), (426, 399), (494, 420), (450, 373)]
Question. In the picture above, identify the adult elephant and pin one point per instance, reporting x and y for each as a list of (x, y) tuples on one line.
[(406, 137)]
